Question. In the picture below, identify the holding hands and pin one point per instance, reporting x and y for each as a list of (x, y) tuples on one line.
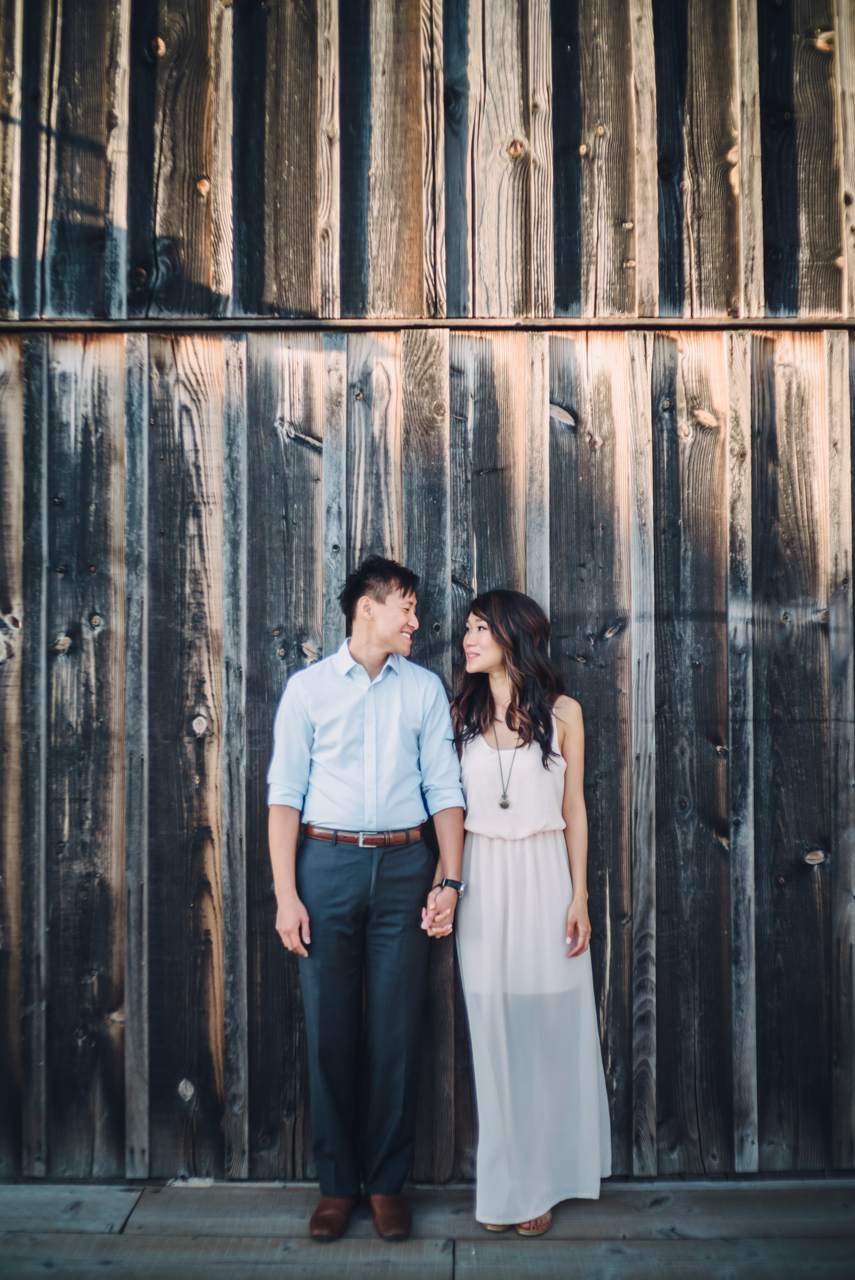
[(438, 915)]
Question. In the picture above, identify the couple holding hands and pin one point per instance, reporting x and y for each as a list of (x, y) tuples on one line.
[(365, 747)]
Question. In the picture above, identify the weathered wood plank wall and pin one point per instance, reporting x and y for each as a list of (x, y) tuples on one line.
[(681, 503), (427, 158)]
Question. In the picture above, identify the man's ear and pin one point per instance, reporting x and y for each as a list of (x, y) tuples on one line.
[(365, 607)]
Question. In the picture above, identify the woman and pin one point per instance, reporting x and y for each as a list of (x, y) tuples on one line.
[(543, 1119)]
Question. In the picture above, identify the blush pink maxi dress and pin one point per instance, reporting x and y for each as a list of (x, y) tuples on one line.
[(544, 1133)]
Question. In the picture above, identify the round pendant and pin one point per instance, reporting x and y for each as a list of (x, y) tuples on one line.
[(504, 803)]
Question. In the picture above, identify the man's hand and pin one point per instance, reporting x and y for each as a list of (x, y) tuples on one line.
[(292, 921), (438, 915)]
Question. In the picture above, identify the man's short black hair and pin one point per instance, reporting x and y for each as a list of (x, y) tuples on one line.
[(375, 577)]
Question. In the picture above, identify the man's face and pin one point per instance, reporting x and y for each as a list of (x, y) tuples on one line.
[(391, 621)]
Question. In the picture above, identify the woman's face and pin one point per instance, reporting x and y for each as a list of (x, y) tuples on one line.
[(482, 652)]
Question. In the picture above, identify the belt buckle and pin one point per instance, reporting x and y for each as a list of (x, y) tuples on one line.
[(361, 835)]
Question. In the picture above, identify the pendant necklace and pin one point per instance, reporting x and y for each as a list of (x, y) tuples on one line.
[(504, 803)]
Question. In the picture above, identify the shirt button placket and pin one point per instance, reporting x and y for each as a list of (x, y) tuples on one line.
[(370, 746)]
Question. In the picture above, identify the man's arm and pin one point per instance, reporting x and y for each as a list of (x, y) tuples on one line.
[(440, 769), (292, 918), (438, 916)]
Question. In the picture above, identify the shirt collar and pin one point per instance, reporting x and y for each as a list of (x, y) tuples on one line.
[(345, 662)]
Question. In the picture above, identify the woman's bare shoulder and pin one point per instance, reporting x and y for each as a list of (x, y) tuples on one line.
[(568, 711)]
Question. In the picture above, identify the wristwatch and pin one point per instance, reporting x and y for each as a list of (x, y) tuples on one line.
[(459, 885)]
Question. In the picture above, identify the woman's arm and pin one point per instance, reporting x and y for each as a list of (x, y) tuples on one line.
[(571, 741)]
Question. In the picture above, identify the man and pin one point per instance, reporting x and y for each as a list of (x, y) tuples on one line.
[(363, 751)]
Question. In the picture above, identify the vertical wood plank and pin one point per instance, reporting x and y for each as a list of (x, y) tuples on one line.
[(11, 615), (355, 111), (397, 266), (33, 761), (85, 780), (608, 160), (137, 758), (84, 253), (822, 278), (646, 168), (427, 550), (740, 753), (567, 160), (186, 1012), (374, 519), (589, 469), (711, 218), (285, 550), (539, 80), (170, 193), (40, 70), (643, 755), (222, 129), (234, 755), (693, 1078), (841, 644), (670, 47), (792, 778), (753, 301), (334, 482), (433, 164), (537, 469), (459, 174), (845, 60), (329, 160), (11, 51)]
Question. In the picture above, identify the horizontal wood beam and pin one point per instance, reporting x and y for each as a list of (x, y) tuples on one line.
[(358, 324)]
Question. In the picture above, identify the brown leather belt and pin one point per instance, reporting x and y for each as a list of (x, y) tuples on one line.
[(365, 839)]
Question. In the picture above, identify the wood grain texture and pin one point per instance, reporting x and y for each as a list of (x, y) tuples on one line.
[(85, 779), (845, 59), (753, 302), (176, 217), (608, 160), (740, 753), (537, 468), (539, 81), (779, 159), (11, 615), (841, 647), (711, 222), (11, 50), (433, 156), (235, 517), (792, 799), (84, 268), (222, 133), (670, 41), (397, 264), (693, 1078), (185, 958), (329, 160), (639, 354), (285, 628), (374, 518), (646, 176), (567, 162), (821, 262), (589, 470), (334, 487), (39, 71), (427, 550), (34, 1150), (137, 756)]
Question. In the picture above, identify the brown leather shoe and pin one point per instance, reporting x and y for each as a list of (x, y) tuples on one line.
[(331, 1217), (392, 1218)]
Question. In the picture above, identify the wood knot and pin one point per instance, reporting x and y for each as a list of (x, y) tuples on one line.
[(158, 46), (138, 275), (583, 150), (704, 418), (63, 644), (112, 120), (439, 409), (600, 130), (824, 41), (814, 857), (200, 725), (185, 1090), (203, 186), (95, 621), (516, 149)]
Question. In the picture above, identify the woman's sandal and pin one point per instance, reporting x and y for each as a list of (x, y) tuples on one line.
[(536, 1231), (496, 1226)]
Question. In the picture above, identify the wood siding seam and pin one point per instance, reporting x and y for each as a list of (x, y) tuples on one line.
[(643, 757), (740, 760), (11, 105), (839, 372), (329, 160), (136, 761), (34, 954), (235, 516)]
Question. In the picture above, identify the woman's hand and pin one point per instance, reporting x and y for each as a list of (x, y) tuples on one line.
[(578, 928), (438, 915)]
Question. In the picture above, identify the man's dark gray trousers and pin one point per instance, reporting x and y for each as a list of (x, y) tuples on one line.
[(364, 910)]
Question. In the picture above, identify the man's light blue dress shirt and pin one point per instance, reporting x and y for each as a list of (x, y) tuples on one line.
[(361, 754)]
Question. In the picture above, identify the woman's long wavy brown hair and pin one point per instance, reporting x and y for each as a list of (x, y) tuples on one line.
[(521, 628)]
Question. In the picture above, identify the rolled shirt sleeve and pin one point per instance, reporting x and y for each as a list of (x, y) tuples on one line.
[(290, 763), (438, 761)]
